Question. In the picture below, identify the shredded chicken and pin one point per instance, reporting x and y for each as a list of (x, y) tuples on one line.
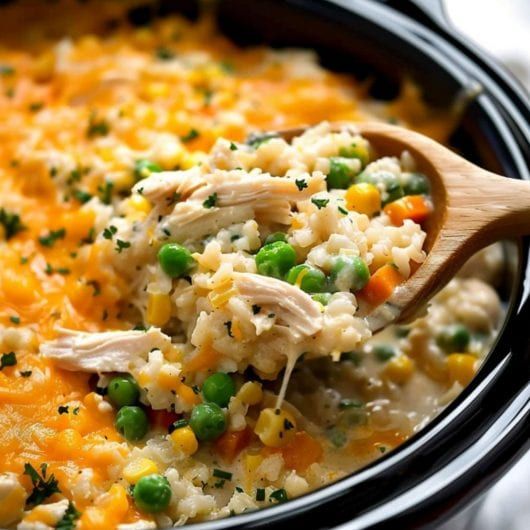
[(290, 305), (111, 351), (158, 186)]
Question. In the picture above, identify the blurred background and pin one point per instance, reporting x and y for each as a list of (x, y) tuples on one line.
[(502, 27)]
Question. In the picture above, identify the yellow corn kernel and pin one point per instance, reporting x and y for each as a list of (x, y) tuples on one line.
[(184, 440), (250, 393), (363, 198), (275, 427), (158, 309), (139, 468), (12, 500), (192, 159), (296, 223), (399, 369), (252, 462), (139, 203), (461, 367), (156, 90)]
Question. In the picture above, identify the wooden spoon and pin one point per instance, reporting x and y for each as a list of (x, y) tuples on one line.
[(472, 208)]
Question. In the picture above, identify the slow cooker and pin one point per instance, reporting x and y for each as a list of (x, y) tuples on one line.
[(450, 463)]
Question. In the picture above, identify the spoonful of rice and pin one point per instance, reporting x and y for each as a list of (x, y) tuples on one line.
[(472, 208)]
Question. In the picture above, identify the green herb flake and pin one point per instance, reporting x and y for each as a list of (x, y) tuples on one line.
[(342, 210), (63, 409), (68, 520), (97, 127), (14, 319), (96, 286), (260, 494), (211, 201), (279, 496), (256, 309), (11, 223), (50, 239), (109, 232), (233, 146), (219, 473), (164, 54), (105, 192), (43, 487), (301, 184), (191, 135), (228, 326), (35, 107), (82, 196), (179, 424), (6, 70), (8, 359), (255, 140), (25, 373), (320, 203), (120, 245)]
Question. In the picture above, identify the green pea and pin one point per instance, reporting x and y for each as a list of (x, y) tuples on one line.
[(143, 168), (208, 421), (123, 390), (355, 150), (416, 184), (454, 338), (313, 280), (275, 259), (152, 493), (176, 260), (349, 273), (218, 388), (276, 236), (340, 173), (389, 182), (384, 352), (131, 422), (322, 298)]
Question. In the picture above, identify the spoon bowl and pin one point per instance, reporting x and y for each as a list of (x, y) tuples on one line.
[(472, 208)]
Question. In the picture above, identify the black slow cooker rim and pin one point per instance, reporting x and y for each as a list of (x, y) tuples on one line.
[(507, 428)]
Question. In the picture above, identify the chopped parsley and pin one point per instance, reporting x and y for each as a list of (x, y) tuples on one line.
[(342, 210), (120, 245), (233, 146), (6, 69), (228, 326), (96, 286), (11, 223), (279, 496), (68, 520), (287, 425), (320, 203), (82, 196), (143, 168), (219, 473), (43, 487), (211, 201), (25, 373), (8, 359), (227, 67), (109, 232), (177, 425), (50, 239), (300, 184), (97, 127), (192, 134), (105, 192), (350, 404), (63, 409), (256, 309), (382, 449), (14, 319), (164, 54), (35, 107), (260, 494)]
